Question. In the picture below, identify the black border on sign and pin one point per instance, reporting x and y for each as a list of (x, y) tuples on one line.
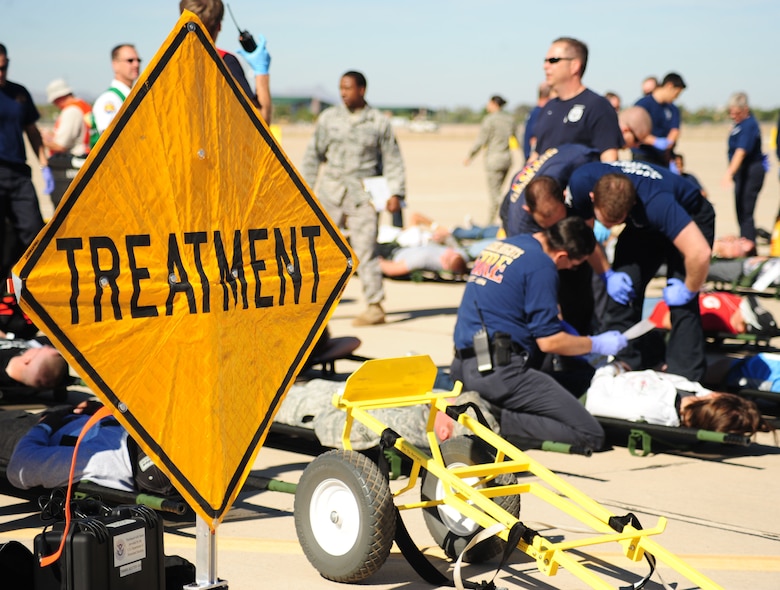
[(46, 236)]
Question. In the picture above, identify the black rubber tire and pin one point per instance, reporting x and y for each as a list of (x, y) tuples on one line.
[(453, 536), (344, 516)]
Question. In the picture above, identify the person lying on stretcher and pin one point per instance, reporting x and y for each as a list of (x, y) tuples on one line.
[(26, 362), (670, 400), (31, 364), (38, 449)]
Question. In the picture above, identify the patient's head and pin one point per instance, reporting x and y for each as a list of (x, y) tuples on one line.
[(452, 260), (723, 412), (41, 367)]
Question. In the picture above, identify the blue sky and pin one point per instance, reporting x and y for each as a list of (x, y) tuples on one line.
[(435, 53)]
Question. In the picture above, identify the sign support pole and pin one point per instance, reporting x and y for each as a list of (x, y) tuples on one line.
[(205, 558)]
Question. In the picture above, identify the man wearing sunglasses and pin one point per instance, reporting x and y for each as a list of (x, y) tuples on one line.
[(18, 199), (576, 114), (127, 67)]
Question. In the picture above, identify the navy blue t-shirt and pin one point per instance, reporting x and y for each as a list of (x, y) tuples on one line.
[(514, 286), (528, 133), (587, 119), (231, 61), (557, 162), (746, 135), (17, 111), (664, 117), (665, 201)]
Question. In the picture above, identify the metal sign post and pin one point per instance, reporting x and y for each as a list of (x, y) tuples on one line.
[(205, 558)]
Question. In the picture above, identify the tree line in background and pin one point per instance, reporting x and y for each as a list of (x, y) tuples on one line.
[(466, 115), (284, 113)]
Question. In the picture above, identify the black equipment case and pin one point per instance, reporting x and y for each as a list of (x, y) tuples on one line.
[(121, 551)]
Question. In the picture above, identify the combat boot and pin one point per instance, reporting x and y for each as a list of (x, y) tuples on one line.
[(373, 315)]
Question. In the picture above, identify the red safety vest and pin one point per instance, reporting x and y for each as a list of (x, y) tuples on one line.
[(86, 109)]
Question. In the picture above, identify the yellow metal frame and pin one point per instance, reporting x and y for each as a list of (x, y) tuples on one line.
[(407, 381)]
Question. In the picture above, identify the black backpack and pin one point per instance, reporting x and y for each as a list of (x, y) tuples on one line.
[(148, 477)]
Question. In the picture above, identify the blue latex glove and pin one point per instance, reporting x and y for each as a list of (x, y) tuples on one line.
[(619, 286), (608, 343), (259, 59), (568, 328), (600, 231), (661, 143), (765, 162), (673, 167), (48, 180), (676, 293)]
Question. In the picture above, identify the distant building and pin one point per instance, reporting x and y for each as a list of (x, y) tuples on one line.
[(314, 100)]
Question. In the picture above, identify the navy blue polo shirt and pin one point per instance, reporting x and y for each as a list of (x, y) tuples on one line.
[(513, 286)]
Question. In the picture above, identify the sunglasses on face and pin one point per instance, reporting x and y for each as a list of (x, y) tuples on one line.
[(555, 60)]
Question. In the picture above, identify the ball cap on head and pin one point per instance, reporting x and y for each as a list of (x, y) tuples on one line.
[(57, 89)]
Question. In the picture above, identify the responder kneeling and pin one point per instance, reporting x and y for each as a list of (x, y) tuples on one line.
[(509, 319)]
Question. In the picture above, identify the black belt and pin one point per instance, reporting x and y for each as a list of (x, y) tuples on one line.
[(467, 353)]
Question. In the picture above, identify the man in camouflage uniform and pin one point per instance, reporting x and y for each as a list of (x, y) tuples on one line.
[(497, 129), (355, 141)]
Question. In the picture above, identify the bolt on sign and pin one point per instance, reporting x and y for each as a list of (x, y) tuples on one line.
[(188, 271)]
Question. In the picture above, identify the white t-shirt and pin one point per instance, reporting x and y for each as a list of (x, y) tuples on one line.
[(639, 396), (108, 104)]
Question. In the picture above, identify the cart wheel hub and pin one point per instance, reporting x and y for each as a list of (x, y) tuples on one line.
[(334, 515), (450, 516)]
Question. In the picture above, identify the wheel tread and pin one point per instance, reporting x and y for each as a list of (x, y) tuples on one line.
[(374, 490)]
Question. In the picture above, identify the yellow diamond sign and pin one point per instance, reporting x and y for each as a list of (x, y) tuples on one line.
[(188, 271)]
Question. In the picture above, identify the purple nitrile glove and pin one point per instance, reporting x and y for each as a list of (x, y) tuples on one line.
[(48, 180), (608, 343), (661, 143), (619, 286), (676, 293)]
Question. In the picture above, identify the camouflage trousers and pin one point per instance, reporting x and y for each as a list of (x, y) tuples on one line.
[(361, 220), (495, 181)]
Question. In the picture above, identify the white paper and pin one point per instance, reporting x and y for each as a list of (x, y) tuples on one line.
[(379, 189)]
